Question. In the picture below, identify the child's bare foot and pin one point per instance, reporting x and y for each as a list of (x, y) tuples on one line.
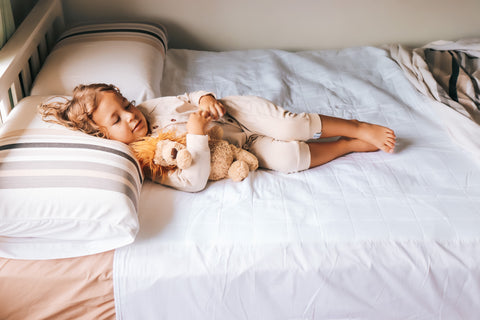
[(357, 145), (381, 137)]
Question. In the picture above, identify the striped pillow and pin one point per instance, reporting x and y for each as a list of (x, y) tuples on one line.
[(128, 55), (63, 193)]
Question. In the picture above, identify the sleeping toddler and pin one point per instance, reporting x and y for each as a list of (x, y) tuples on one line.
[(281, 140)]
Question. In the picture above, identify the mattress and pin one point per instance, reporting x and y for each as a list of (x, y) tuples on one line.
[(366, 236)]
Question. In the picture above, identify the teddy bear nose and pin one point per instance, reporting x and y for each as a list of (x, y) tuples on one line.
[(174, 153)]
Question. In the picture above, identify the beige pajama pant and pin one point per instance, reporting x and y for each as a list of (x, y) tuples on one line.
[(274, 135)]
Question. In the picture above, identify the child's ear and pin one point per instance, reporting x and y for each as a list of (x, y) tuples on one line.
[(103, 132)]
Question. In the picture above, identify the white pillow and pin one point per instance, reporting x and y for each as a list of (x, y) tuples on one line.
[(128, 55), (63, 193)]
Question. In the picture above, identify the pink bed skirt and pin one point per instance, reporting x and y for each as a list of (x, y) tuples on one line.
[(75, 288)]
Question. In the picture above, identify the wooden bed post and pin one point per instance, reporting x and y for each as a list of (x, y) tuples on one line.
[(25, 51)]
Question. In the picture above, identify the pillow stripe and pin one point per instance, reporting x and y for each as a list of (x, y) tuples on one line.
[(14, 170), (75, 146), (31, 166), (147, 32), (155, 30), (63, 181)]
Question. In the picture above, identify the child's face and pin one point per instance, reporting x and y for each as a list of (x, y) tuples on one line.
[(122, 120)]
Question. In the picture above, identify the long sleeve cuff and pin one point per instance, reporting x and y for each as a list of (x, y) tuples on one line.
[(195, 96), (197, 142)]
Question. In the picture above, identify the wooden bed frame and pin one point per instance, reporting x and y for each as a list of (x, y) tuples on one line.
[(20, 59)]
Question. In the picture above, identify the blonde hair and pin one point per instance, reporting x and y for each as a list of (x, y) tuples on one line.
[(76, 113)]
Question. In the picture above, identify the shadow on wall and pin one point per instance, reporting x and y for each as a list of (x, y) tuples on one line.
[(177, 32), (174, 31), (20, 9)]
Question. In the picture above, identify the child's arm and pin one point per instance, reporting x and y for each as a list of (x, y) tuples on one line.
[(198, 122), (195, 177), (205, 101), (195, 96)]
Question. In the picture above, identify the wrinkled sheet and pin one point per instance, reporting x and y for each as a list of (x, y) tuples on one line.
[(367, 236)]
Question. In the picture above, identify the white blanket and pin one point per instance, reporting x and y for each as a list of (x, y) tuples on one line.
[(367, 236)]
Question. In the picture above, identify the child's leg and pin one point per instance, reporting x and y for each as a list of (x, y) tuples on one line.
[(293, 156), (278, 155), (260, 116), (379, 136), (263, 117), (323, 152)]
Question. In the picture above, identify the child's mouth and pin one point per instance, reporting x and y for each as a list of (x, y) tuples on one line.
[(138, 126)]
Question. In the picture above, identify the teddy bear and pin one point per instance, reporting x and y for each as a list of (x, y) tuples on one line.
[(172, 153), (165, 152), (228, 160), (145, 150)]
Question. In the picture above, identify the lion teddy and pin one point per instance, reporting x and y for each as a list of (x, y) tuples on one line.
[(160, 154)]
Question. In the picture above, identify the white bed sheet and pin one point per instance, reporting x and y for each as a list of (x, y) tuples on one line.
[(367, 236)]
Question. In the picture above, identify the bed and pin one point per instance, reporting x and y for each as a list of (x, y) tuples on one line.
[(367, 236)]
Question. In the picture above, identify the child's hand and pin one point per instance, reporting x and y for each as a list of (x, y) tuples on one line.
[(212, 105), (198, 121)]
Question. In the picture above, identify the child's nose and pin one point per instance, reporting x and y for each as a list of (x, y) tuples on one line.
[(130, 116)]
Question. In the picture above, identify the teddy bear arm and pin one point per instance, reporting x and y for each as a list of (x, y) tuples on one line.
[(221, 159)]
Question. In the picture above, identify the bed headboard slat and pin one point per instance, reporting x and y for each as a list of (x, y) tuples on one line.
[(42, 50), (26, 80), (34, 64), (25, 51), (16, 91)]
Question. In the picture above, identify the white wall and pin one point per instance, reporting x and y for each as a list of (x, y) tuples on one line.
[(290, 24)]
